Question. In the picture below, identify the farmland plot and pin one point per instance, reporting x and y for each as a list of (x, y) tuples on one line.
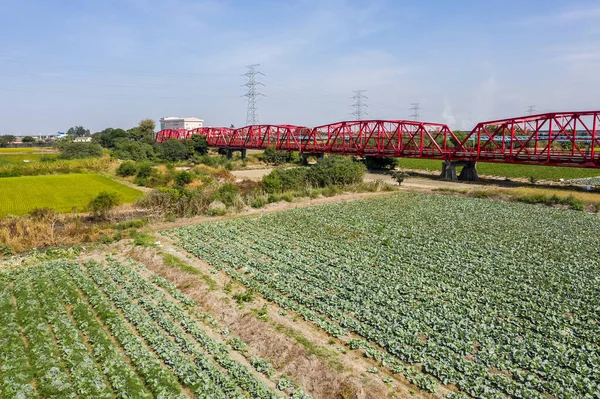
[(101, 330), (498, 299)]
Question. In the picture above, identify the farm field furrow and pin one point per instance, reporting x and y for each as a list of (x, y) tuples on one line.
[(102, 330), (495, 298)]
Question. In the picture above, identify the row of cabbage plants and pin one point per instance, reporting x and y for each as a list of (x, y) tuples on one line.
[(488, 296), (102, 330)]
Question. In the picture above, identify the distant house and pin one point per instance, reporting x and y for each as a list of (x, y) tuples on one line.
[(180, 123), (82, 140)]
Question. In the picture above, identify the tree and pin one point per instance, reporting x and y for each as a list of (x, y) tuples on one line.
[(28, 139), (6, 140), (103, 204), (108, 138), (275, 157), (399, 177), (78, 131), (80, 151), (131, 150), (143, 132), (198, 144), (173, 150)]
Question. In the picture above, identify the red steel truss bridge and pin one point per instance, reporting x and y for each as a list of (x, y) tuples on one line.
[(555, 139)]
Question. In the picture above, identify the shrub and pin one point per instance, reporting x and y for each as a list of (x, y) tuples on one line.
[(275, 157), (273, 198), (198, 144), (258, 202), (80, 151), (228, 193), (127, 169), (131, 150), (182, 178), (331, 191), (335, 170), (272, 182), (103, 204), (280, 180), (287, 197), (173, 150), (399, 177)]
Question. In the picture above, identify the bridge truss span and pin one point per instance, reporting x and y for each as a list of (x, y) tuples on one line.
[(558, 138)]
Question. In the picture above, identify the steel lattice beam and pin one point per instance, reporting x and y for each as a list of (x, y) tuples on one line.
[(560, 138)]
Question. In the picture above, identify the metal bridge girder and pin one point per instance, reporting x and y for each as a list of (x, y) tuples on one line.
[(559, 138)]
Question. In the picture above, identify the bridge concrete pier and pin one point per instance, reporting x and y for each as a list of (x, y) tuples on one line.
[(229, 152), (468, 173)]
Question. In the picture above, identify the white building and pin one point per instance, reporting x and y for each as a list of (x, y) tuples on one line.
[(180, 123)]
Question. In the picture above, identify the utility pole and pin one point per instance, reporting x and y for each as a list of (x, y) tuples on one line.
[(415, 108), (531, 109), (252, 115), (359, 103)]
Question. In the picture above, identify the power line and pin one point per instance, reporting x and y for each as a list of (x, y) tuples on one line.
[(415, 108), (252, 115), (359, 104), (531, 109)]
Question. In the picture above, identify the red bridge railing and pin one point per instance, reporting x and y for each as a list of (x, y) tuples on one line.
[(561, 139)]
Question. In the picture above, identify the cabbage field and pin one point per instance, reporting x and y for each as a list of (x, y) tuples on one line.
[(113, 330), (489, 298)]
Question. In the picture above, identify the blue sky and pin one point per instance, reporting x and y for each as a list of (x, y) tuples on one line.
[(111, 63)]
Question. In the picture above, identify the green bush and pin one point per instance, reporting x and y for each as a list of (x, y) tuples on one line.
[(182, 178), (228, 193), (280, 180), (273, 198), (174, 150), (258, 202), (131, 150), (103, 204), (331, 191), (144, 171), (275, 157), (127, 169), (335, 170), (80, 151), (287, 197), (198, 144), (272, 182)]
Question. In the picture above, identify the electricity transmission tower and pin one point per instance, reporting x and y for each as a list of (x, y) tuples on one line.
[(415, 108), (359, 103), (252, 115), (531, 109)]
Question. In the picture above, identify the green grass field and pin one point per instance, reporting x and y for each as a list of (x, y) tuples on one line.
[(19, 195), (21, 158), (508, 170), (36, 149)]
